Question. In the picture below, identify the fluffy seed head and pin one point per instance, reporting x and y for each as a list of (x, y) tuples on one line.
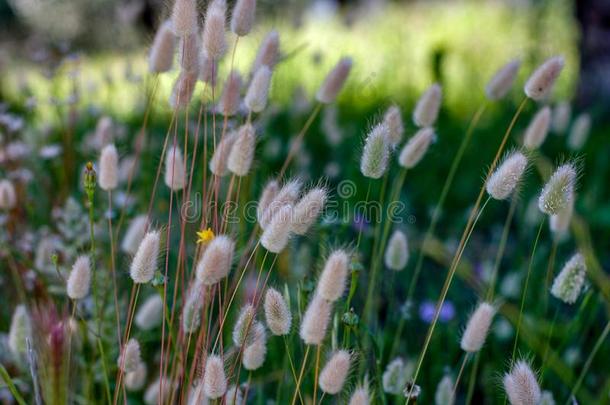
[(568, 284), (287, 195), (150, 313), (109, 168), (215, 263), (234, 393), (503, 80), (374, 161), (521, 385), (334, 82), (315, 321), (269, 193), (560, 222), (254, 354), (331, 284), (561, 117), (130, 356), (79, 280), (175, 169), (153, 394), (190, 52), (334, 373), (547, 398), (277, 314), (243, 329), (242, 152), (134, 235), (395, 376), (183, 89), (135, 380), (505, 178), (220, 158), (268, 53), (277, 234), (477, 328), (536, 132), (393, 121), (307, 210), (242, 19), (191, 311), (184, 17), (104, 133), (397, 251), (444, 392), (415, 149), (541, 82), (214, 41), (558, 190), (21, 328), (428, 105), (214, 379), (8, 197), (580, 131), (144, 263), (360, 396), (256, 97), (229, 101), (208, 69), (161, 56)]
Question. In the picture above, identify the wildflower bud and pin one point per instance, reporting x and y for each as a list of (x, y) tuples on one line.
[(229, 100), (541, 82), (505, 178), (558, 190), (427, 107), (242, 19), (307, 210), (568, 284), (560, 222), (277, 314), (216, 261), (8, 197), (267, 196), (184, 17), (144, 263), (175, 169), (243, 329), (268, 53), (580, 131), (162, 51), (220, 158), (190, 53), (79, 280), (208, 69), (134, 234), (521, 385), (374, 161), (242, 151), (331, 284), (191, 311), (315, 321), (183, 89), (503, 80), (135, 380), (444, 392), (214, 41), (561, 117), (214, 379), (256, 97), (334, 373), (21, 328), (255, 353), (109, 168), (393, 121), (536, 132), (477, 328), (150, 314), (287, 195), (130, 356), (334, 82), (395, 376), (276, 236), (415, 149), (397, 251), (360, 396)]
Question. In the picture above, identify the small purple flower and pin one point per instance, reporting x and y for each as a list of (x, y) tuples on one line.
[(427, 309), (360, 224)]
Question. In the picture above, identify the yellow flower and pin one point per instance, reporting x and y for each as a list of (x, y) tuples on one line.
[(205, 235)]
